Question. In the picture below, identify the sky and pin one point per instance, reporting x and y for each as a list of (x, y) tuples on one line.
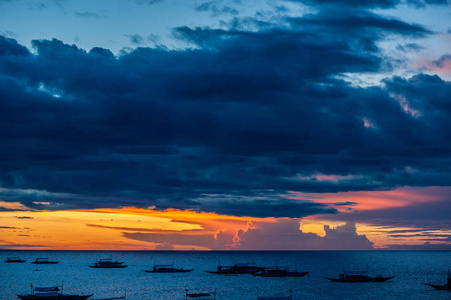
[(225, 124)]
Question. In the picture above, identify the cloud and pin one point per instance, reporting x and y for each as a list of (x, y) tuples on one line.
[(223, 126), (384, 4), (181, 239), (148, 2), (164, 247), (285, 235), (216, 8), (423, 247), (89, 15)]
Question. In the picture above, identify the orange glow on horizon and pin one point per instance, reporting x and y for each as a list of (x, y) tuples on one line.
[(132, 228)]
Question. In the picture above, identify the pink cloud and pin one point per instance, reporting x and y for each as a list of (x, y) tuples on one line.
[(372, 200), (286, 235)]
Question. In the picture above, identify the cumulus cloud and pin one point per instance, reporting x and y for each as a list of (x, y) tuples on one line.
[(286, 235), (164, 247)]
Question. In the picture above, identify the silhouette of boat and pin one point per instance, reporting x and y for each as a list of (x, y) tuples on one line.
[(238, 268), (167, 269), (358, 277), (15, 259), (201, 295), (108, 263), (446, 286), (279, 271), (50, 293), (44, 261)]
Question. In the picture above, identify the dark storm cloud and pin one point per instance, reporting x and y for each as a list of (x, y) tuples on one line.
[(372, 3), (228, 126)]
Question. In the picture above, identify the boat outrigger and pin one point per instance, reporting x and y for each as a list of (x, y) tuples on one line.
[(15, 259), (50, 293), (108, 263), (238, 268), (358, 277), (44, 261), (279, 271), (167, 269), (446, 286)]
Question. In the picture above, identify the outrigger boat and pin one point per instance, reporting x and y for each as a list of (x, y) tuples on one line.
[(44, 261), (201, 295), (446, 286), (108, 263), (50, 293), (358, 277), (15, 259), (167, 269), (278, 271), (238, 268)]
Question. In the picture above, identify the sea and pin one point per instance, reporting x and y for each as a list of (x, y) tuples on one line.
[(412, 269)]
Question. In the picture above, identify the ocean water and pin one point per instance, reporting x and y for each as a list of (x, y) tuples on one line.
[(411, 270)]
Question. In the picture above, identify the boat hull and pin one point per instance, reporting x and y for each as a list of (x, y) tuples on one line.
[(290, 274), (168, 271), (444, 287), (15, 261)]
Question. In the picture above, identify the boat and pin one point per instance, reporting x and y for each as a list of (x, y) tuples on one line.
[(358, 277), (279, 271), (51, 293), (238, 268), (15, 259), (446, 286), (108, 263), (167, 269), (44, 261), (201, 295)]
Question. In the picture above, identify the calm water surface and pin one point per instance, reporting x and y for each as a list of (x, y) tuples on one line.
[(411, 268)]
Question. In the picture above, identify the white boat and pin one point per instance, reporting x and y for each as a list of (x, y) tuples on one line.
[(50, 293)]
